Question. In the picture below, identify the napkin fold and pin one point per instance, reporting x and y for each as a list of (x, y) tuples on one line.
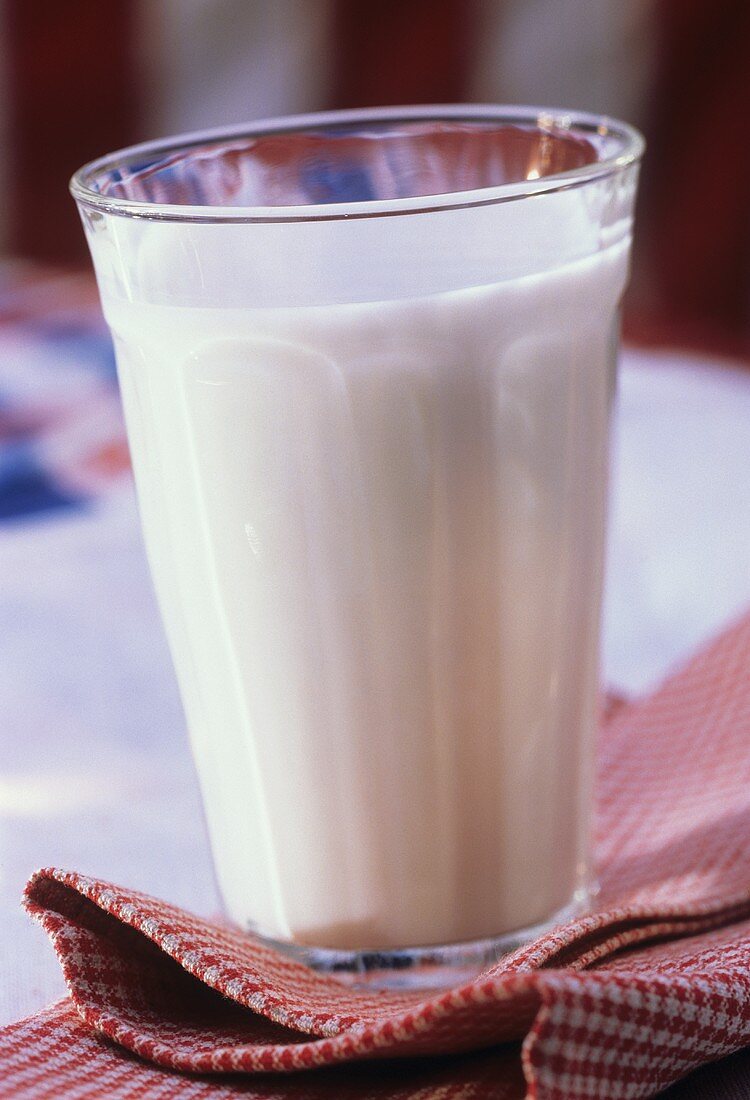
[(619, 1003)]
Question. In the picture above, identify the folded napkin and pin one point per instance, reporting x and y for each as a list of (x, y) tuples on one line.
[(619, 1003)]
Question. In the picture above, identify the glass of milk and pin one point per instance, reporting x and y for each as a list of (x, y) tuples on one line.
[(367, 361)]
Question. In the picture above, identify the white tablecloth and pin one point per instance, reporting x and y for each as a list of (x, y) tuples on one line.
[(95, 772)]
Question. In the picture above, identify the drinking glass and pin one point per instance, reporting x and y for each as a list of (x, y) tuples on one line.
[(367, 361)]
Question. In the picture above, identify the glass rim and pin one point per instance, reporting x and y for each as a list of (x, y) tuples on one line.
[(632, 145)]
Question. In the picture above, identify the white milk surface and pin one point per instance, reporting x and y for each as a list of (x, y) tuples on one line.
[(376, 534)]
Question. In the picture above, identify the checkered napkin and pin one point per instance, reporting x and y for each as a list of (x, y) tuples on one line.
[(617, 1004)]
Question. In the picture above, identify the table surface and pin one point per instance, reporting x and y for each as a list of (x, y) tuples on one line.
[(95, 772)]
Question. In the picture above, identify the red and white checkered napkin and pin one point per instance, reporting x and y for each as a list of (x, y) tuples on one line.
[(617, 1004)]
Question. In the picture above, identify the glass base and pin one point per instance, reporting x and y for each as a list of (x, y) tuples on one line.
[(432, 967)]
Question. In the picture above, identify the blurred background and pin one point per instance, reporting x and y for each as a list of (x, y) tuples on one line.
[(79, 80), (95, 772)]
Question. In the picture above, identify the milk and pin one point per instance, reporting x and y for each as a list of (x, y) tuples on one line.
[(376, 535)]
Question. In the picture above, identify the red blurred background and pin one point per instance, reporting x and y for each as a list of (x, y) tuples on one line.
[(83, 78)]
